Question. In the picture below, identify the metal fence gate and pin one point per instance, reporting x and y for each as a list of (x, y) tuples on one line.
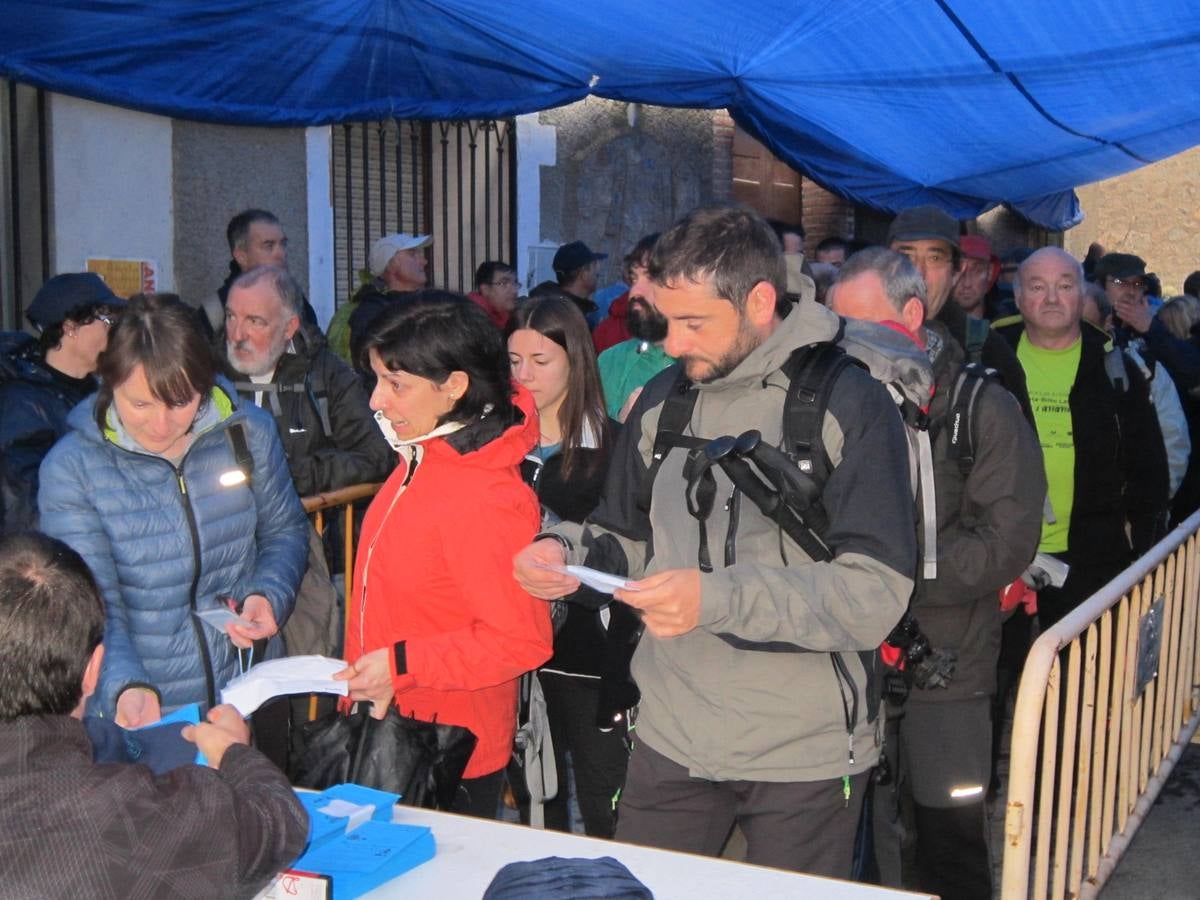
[(453, 180), (24, 200)]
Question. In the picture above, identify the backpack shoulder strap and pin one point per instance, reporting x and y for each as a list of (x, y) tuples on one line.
[(673, 419), (240, 445), (977, 332), (961, 417), (811, 371)]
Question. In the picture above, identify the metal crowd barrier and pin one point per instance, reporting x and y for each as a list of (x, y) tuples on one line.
[(317, 506), (1092, 750)]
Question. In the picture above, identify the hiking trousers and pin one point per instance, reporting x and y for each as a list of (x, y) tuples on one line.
[(939, 754), (803, 826)]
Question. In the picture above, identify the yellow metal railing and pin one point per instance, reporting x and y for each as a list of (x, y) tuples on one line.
[(317, 506), (1093, 740)]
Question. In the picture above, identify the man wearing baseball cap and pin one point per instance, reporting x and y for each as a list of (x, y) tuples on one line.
[(978, 272), (929, 237), (1124, 279), (575, 267), (41, 380), (395, 265)]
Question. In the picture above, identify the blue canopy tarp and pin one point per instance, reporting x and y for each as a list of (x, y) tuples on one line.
[(890, 103)]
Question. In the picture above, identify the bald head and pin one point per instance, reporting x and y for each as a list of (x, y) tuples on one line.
[(1049, 294), (1056, 253)]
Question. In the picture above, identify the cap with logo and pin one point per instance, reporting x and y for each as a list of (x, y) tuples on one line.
[(389, 245), (924, 223), (573, 256), (67, 292)]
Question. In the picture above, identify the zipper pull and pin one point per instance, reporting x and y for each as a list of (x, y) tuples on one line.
[(182, 483), (845, 791)]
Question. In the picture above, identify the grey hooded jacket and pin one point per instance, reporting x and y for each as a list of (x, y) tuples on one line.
[(727, 713)]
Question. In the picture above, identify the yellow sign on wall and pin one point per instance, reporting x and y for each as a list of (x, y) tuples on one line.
[(126, 277)]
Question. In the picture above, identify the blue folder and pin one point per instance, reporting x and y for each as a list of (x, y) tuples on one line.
[(374, 853)]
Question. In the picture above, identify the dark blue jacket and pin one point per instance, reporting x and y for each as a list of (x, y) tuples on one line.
[(163, 541), (34, 402)]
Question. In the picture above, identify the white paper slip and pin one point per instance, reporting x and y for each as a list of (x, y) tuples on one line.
[(353, 813), (292, 675), (1056, 570), (218, 616), (593, 578)]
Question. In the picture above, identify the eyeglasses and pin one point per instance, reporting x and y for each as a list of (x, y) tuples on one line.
[(106, 319), (503, 282), (1131, 282)]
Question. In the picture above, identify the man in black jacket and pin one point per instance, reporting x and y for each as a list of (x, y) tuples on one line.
[(329, 434), (988, 524), (1103, 450), (255, 238), (72, 828)]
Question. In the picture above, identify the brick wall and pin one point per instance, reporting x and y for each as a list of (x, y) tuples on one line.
[(1153, 212), (825, 215)]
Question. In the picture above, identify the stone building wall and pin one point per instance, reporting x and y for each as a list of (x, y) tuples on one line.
[(1153, 212), (623, 170)]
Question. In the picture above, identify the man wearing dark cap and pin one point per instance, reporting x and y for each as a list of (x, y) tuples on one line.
[(1124, 279), (42, 378), (929, 238), (575, 267)]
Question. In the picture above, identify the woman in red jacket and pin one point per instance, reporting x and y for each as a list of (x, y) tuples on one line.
[(437, 622)]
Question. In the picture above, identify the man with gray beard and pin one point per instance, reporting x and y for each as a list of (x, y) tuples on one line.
[(318, 403)]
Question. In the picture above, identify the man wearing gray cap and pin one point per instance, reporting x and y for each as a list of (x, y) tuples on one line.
[(929, 238), (42, 378)]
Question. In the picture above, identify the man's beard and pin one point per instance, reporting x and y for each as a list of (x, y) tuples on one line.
[(262, 364), (744, 344), (645, 322)]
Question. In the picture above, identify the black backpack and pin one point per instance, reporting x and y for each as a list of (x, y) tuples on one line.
[(812, 371)]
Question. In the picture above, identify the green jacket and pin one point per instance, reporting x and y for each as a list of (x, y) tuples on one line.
[(337, 335), (627, 366)]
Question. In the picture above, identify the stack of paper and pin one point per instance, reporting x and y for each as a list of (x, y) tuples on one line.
[(278, 677)]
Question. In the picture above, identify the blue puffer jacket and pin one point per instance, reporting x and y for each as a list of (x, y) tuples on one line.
[(163, 541)]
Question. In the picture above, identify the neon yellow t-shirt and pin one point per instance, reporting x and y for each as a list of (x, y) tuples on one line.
[(1049, 375)]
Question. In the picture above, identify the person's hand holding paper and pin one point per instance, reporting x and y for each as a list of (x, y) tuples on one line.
[(540, 570), (256, 622), (370, 679)]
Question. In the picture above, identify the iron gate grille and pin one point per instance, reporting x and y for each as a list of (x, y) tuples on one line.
[(453, 180)]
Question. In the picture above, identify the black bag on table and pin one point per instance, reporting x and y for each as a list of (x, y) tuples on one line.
[(421, 761)]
